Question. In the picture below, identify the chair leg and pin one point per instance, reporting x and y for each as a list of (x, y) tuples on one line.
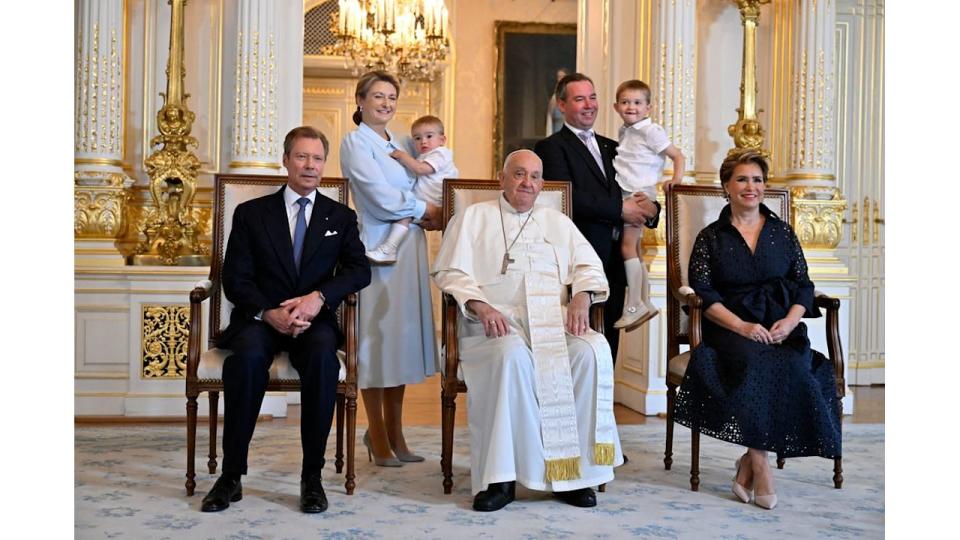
[(449, 404), (602, 488), (338, 463), (191, 443), (695, 460), (780, 462), (214, 414), (351, 440), (668, 452), (838, 472)]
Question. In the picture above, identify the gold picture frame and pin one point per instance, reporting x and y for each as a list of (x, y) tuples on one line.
[(537, 50)]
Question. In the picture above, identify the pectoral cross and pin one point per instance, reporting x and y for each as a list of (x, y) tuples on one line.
[(506, 262)]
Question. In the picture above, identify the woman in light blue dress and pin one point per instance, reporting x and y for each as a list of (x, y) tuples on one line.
[(396, 333)]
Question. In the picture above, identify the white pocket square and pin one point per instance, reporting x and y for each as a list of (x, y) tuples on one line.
[(330, 233)]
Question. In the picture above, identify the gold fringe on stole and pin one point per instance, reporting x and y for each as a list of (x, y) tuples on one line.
[(603, 453), (563, 469)]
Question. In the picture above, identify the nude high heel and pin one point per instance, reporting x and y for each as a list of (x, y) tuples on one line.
[(766, 501), (741, 492), (382, 462)]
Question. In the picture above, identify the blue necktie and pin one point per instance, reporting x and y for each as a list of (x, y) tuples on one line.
[(300, 232)]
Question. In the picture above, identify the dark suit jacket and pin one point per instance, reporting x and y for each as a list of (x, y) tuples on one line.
[(258, 270), (597, 201)]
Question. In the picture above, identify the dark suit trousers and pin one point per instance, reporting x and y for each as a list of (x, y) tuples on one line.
[(245, 376), (613, 309)]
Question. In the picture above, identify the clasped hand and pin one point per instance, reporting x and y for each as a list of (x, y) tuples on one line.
[(775, 335), (293, 316)]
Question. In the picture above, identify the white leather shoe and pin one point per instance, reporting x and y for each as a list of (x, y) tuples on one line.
[(383, 254), (635, 316)]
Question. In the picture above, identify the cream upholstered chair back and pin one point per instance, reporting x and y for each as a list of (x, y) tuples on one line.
[(690, 208), (461, 193), (230, 191)]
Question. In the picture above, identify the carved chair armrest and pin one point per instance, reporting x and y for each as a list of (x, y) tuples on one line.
[(596, 316), (349, 329), (451, 346), (200, 292), (834, 348), (695, 314)]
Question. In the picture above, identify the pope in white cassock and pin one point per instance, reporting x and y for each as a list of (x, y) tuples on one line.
[(540, 400)]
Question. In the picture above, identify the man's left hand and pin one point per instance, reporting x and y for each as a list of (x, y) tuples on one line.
[(305, 307), (578, 314)]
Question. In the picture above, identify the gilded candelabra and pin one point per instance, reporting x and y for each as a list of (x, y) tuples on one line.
[(170, 228), (747, 132)]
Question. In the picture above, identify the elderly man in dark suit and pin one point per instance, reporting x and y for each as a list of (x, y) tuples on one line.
[(291, 259), (577, 154)]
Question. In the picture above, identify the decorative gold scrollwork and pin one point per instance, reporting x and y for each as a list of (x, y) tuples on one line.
[(818, 220), (165, 333), (98, 205)]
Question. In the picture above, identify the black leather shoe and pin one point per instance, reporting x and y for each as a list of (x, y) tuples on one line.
[(496, 496), (312, 498), (225, 491), (583, 498)]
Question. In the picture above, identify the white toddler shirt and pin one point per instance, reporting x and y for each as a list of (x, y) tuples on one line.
[(639, 162), (429, 187)]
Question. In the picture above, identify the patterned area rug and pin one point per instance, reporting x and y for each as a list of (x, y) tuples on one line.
[(129, 484)]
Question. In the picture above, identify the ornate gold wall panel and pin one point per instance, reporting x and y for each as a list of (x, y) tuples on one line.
[(165, 330), (99, 202), (817, 222)]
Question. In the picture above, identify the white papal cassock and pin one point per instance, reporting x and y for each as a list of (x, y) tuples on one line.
[(513, 437)]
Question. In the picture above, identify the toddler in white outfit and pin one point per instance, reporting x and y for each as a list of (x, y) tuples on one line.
[(639, 165), (435, 162)]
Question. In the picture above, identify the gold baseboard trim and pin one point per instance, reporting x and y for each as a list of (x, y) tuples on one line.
[(809, 176), (639, 389), (101, 375), (98, 161), (254, 165), (876, 364)]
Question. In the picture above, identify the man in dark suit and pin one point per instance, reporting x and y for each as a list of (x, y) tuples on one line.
[(577, 154), (291, 259)]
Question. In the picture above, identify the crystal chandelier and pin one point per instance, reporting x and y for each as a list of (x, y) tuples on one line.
[(406, 37)]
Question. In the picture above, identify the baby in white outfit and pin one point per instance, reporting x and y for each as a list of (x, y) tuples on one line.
[(435, 162)]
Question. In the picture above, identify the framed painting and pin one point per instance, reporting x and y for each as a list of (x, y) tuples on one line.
[(531, 58)]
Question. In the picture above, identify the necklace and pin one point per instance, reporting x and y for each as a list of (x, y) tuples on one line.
[(506, 249)]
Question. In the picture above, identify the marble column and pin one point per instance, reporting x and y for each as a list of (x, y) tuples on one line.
[(100, 182), (811, 172), (265, 43), (674, 91)]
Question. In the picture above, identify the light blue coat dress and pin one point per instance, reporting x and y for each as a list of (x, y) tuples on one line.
[(396, 333)]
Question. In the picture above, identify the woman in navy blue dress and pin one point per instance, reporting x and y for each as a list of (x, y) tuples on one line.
[(754, 380)]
